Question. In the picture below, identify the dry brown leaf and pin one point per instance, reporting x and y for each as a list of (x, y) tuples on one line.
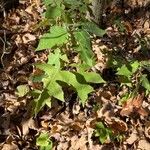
[(28, 37), (147, 27), (142, 112), (77, 126), (96, 147), (90, 129), (146, 24), (143, 145), (56, 128), (76, 109), (44, 124), (107, 111), (90, 134), (28, 124), (63, 146), (134, 105), (128, 26), (5, 122), (98, 47), (147, 132), (29, 9), (117, 125), (133, 137), (56, 136), (10, 147), (78, 143)]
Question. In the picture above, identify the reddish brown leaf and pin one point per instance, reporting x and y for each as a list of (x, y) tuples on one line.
[(118, 125), (134, 105)]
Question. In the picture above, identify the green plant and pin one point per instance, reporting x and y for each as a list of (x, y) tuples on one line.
[(135, 68), (53, 88), (126, 72), (68, 33), (102, 132), (44, 142), (69, 36), (119, 25), (106, 134), (22, 90)]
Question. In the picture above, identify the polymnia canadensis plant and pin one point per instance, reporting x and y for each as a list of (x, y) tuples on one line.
[(68, 36)]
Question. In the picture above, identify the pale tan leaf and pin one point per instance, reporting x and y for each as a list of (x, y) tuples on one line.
[(133, 137), (28, 124), (143, 145), (10, 147)]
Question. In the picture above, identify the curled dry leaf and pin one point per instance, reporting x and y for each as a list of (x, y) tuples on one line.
[(98, 47), (147, 132), (117, 125), (90, 130), (29, 9), (90, 134), (134, 105), (128, 26)]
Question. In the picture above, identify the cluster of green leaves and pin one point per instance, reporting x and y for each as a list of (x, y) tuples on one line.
[(69, 34), (102, 132), (44, 142), (129, 69), (53, 88), (134, 74), (135, 68), (126, 71), (106, 134), (69, 25)]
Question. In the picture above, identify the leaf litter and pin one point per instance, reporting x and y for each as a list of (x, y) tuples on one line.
[(70, 127)]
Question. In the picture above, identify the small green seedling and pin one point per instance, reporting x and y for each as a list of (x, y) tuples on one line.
[(44, 142), (102, 132)]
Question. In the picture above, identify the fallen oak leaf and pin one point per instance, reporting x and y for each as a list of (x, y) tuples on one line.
[(134, 105)]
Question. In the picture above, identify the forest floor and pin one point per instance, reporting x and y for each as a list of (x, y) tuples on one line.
[(72, 126)]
